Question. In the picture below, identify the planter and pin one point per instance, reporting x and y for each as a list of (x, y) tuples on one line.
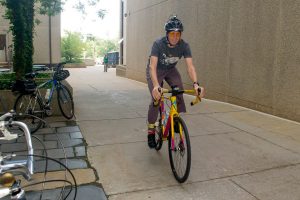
[(8, 99), (75, 65)]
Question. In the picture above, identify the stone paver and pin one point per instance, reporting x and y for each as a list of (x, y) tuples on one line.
[(90, 192), (61, 136), (70, 143), (76, 135), (67, 133), (80, 151), (61, 153), (68, 129)]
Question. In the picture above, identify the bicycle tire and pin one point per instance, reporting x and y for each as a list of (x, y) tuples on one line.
[(158, 136), (30, 104), (65, 101), (179, 152)]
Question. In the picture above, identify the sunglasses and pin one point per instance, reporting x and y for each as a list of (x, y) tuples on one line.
[(174, 34)]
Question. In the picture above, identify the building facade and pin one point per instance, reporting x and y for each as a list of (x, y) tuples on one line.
[(245, 52), (47, 40)]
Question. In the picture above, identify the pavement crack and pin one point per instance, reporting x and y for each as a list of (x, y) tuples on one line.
[(254, 135), (211, 134), (93, 88), (118, 143), (115, 119), (209, 113), (246, 173), (244, 189), (143, 190)]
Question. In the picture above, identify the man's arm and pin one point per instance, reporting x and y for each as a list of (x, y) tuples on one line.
[(193, 76), (153, 73), (191, 69)]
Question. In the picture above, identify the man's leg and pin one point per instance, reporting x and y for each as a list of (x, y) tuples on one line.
[(173, 78), (153, 110)]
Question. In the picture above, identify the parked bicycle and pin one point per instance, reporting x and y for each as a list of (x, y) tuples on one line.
[(32, 103), (9, 168), (172, 127)]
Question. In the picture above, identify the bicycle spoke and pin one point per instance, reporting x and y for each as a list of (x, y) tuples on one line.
[(29, 106), (180, 158)]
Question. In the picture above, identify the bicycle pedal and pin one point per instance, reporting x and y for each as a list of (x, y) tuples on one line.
[(48, 111)]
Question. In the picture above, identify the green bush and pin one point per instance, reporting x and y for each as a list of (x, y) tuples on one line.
[(7, 79)]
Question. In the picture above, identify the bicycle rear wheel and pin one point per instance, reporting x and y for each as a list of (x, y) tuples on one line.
[(180, 156), (158, 136), (65, 101), (31, 108), (158, 133)]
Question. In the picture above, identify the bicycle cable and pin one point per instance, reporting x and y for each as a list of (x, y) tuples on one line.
[(50, 181), (66, 162), (46, 164), (60, 163)]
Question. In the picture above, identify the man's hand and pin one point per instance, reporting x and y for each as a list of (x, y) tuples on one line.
[(156, 92), (197, 88)]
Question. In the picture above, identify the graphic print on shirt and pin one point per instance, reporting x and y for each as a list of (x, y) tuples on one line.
[(168, 60)]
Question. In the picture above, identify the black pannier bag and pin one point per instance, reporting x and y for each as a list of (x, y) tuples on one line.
[(24, 87)]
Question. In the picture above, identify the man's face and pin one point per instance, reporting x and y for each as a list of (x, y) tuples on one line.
[(174, 37)]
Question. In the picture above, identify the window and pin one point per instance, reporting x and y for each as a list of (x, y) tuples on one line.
[(2, 42)]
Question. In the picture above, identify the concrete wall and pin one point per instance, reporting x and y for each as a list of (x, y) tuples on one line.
[(41, 38), (246, 52)]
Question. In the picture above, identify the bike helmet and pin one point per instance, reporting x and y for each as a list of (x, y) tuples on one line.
[(174, 24)]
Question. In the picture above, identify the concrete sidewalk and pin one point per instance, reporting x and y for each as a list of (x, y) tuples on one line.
[(237, 154)]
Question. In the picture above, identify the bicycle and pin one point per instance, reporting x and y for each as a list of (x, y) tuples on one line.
[(31, 102), (172, 127), (9, 169), (20, 167)]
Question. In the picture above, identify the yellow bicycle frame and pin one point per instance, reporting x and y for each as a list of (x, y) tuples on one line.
[(172, 113)]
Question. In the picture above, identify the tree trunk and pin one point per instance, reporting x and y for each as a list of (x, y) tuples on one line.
[(21, 14)]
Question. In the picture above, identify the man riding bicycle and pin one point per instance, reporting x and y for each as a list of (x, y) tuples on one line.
[(164, 56)]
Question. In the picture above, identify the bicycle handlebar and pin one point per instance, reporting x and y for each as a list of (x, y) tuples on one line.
[(175, 91), (8, 115), (32, 75), (60, 66), (23, 167)]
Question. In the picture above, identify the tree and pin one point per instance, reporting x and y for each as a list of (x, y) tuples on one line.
[(20, 14), (105, 46), (72, 47), (96, 47)]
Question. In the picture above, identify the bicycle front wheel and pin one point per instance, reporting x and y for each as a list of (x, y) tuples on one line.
[(31, 108), (180, 155), (65, 101)]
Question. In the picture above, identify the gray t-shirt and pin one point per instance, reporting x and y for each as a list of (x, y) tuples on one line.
[(168, 57)]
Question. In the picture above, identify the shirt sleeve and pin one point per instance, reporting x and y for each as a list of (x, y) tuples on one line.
[(155, 50), (187, 51)]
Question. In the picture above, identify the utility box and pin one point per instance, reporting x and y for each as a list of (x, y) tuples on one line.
[(113, 59)]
